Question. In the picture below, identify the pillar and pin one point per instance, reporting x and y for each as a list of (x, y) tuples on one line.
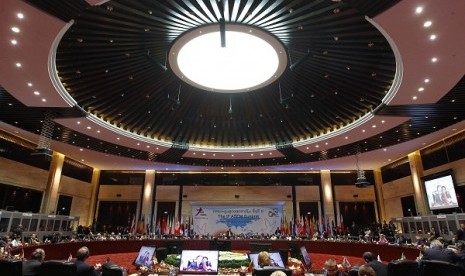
[(327, 192), (50, 198), (93, 196), (416, 170), (379, 194), (147, 202)]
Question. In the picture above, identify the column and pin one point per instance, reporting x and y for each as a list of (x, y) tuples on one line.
[(93, 197), (147, 202), (50, 198), (379, 194), (328, 197), (416, 170)]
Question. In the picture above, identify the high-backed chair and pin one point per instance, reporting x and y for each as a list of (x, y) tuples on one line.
[(14, 267), (161, 253), (111, 269), (440, 268), (403, 268), (57, 268)]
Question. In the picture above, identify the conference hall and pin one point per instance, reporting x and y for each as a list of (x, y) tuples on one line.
[(154, 132)]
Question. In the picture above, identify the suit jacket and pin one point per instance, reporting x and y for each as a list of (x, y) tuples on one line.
[(84, 269), (31, 267), (441, 254), (379, 268)]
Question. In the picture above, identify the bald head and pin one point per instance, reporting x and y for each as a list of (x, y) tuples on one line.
[(82, 253)]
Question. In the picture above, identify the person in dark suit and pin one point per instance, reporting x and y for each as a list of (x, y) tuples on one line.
[(83, 268), (437, 252), (31, 267), (378, 267)]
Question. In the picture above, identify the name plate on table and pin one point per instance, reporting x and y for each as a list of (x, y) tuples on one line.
[(27, 215), (51, 216), (441, 216)]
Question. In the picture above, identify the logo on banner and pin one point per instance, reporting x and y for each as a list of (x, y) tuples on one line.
[(200, 212)]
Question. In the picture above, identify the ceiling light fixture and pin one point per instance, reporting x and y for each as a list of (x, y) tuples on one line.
[(427, 24), (361, 181), (15, 29), (251, 59), (419, 10)]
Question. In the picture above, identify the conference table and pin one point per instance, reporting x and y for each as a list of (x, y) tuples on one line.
[(341, 248)]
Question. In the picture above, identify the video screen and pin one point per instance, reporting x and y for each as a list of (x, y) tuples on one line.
[(307, 261), (276, 259), (199, 262), (144, 258), (441, 192)]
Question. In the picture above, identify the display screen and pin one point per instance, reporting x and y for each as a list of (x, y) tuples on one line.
[(199, 262), (145, 256), (308, 262), (276, 259), (441, 192)]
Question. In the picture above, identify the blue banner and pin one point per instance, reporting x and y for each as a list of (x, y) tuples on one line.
[(217, 220)]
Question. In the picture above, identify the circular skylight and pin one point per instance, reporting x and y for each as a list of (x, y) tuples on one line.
[(250, 59)]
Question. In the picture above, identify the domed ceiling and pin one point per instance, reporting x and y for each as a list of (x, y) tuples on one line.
[(113, 62)]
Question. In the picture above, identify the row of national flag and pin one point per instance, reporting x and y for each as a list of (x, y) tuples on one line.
[(166, 225), (306, 226)]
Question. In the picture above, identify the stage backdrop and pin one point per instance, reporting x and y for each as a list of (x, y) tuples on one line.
[(216, 220)]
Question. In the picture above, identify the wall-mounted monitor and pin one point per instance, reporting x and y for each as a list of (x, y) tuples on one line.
[(440, 190), (199, 262)]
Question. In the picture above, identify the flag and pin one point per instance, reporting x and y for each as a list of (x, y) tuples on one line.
[(379, 258), (402, 257), (341, 223), (70, 258), (133, 225)]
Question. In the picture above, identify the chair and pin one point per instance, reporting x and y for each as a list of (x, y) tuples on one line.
[(403, 268), (57, 268), (161, 253), (435, 268), (174, 247), (111, 269), (14, 267)]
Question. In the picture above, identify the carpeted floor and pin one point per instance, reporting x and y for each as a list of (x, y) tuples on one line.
[(125, 260)]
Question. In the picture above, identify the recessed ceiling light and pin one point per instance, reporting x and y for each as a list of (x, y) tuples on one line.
[(421, 89), (89, 127), (44, 100), (37, 93), (373, 126), (20, 15), (29, 84), (433, 37), (427, 24), (426, 80), (434, 59), (117, 138), (98, 131), (414, 97), (81, 149), (15, 29), (14, 41), (138, 144), (384, 149), (363, 130), (382, 121), (419, 10), (346, 137), (18, 64)]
